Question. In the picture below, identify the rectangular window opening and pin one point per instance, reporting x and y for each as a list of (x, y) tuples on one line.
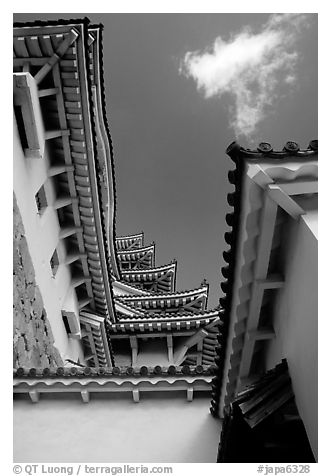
[(41, 200), (54, 262)]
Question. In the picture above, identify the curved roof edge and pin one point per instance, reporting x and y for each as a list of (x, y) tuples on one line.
[(265, 150)]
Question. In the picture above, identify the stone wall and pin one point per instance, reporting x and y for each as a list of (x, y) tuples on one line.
[(33, 338)]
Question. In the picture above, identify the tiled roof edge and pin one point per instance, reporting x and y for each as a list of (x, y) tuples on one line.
[(171, 316), (137, 250), (265, 150), (104, 112), (233, 220), (150, 270), (60, 21), (94, 140), (96, 372), (153, 295), (236, 154), (124, 237)]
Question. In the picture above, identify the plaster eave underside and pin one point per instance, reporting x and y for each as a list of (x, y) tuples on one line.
[(252, 204), (256, 178), (265, 173)]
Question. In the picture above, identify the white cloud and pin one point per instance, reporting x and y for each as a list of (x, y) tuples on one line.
[(251, 67)]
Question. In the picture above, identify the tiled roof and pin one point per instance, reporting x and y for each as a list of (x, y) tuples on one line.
[(130, 241), (180, 315), (239, 155), (99, 39), (162, 278), (96, 373), (192, 301), (83, 148)]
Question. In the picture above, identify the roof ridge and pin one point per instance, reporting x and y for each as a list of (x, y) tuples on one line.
[(265, 150)]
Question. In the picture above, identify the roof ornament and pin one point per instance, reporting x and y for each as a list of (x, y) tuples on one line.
[(264, 147), (204, 282), (313, 145), (291, 146), (233, 149)]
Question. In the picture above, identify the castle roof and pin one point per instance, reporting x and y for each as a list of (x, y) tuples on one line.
[(158, 279), (266, 183), (60, 63), (130, 241), (192, 301)]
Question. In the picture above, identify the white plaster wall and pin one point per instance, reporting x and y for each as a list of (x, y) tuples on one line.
[(42, 237), (160, 428), (296, 323)]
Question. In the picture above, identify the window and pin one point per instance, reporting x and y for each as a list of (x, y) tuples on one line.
[(54, 262), (71, 324), (41, 200)]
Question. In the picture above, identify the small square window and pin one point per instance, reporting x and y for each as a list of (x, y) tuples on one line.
[(54, 262), (41, 200)]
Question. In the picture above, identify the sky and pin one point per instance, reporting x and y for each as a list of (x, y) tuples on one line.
[(180, 88)]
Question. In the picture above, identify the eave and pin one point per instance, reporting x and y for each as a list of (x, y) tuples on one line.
[(104, 144), (74, 143), (254, 225), (138, 257), (87, 381), (159, 279), (193, 301), (159, 322), (129, 242)]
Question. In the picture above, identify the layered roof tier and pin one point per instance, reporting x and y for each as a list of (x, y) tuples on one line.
[(148, 307)]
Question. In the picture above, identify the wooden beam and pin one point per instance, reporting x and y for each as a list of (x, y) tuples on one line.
[(135, 395), (298, 187), (32, 61), (59, 169), (62, 202), (199, 353), (26, 68), (69, 230), (134, 350), (84, 302), (189, 393), (62, 48), (271, 282), (85, 394), (268, 221), (34, 395), (56, 133), (285, 201), (170, 346), (262, 334), (47, 92)]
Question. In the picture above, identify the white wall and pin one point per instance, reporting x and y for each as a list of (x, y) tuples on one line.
[(296, 322), (114, 429), (42, 233)]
